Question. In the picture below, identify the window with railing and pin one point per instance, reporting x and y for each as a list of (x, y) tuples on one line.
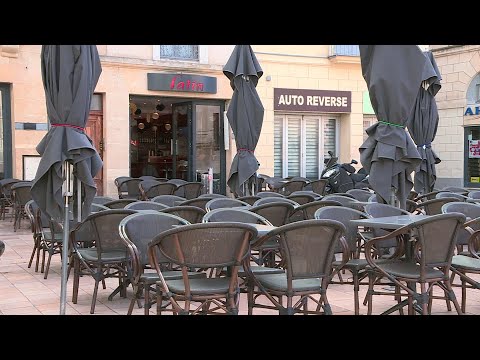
[(179, 52), (346, 50)]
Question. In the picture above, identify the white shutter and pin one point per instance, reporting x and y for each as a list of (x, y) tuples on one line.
[(329, 137), (311, 147), (294, 132), (277, 146)]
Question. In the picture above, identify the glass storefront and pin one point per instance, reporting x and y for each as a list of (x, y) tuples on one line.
[(472, 158)]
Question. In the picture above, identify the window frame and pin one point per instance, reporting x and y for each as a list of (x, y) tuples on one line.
[(202, 55)]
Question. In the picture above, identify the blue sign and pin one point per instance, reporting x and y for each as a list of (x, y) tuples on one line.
[(470, 111)]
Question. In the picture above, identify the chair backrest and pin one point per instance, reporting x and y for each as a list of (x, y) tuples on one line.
[(344, 200), (446, 194), (308, 248), (21, 192), (119, 204), (137, 230), (198, 202), (307, 211), (302, 198), (434, 207), (98, 207), (474, 194), (132, 188), (205, 245), (30, 209), (275, 212), (236, 215), (456, 189), (157, 190), (249, 199), (291, 186), (269, 200), (121, 186), (189, 190), (192, 214), (373, 198), (147, 178), (343, 215), (169, 200), (471, 211), (177, 182), (145, 205), (360, 195), (5, 185), (224, 203), (265, 194), (376, 210), (319, 186), (213, 196), (307, 192), (101, 200), (436, 237), (146, 184), (103, 230)]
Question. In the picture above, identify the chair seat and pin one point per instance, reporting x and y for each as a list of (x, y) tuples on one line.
[(461, 262), (257, 270), (357, 264), (47, 236), (152, 277), (279, 282), (201, 286), (408, 270), (112, 255)]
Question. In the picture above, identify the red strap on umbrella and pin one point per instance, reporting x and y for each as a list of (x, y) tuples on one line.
[(70, 126)]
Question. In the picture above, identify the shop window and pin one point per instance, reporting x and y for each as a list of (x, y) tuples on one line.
[(301, 143), (473, 91), (179, 52), (346, 50)]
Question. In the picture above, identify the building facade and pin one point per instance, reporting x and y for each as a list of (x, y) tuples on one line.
[(160, 110), (457, 142)]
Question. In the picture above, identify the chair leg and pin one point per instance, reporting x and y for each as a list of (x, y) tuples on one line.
[(464, 296), (37, 262), (146, 302), (35, 247), (424, 293), (453, 298), (48, 263), (398, 298), (371, 281), (356, 288), (94, 297), (43, 261), (76, 279)]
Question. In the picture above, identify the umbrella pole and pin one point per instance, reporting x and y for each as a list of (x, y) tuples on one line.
[(67, 193)]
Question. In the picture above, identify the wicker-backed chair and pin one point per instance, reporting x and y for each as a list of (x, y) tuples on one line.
[(101, 200), (434, 207), (133, 190), (177, 182), (31, 209), (6, 196), (198, 202), (456, 189), (427, 196), (308, 248), (302, 199), (119, 204), (94, 208), (213, 196), (474, 195), (208, 245), (269, 200), (189, 190), (433, 240), (145, 205), (291, 186), (147, 178), (192, 214), (137, 230), (359, 194), (307, 211), (224, 203), (169, 200), (265, 194), (344, 200), (249, 199), (447, 194), (20, 196), (121, 186), (107, 258), (51, 239), (472, 212), (151, 190), (307, 192), (319, 186), (353, 238)]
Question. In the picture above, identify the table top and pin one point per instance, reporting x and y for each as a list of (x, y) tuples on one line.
[(263, 230), (390, 222)]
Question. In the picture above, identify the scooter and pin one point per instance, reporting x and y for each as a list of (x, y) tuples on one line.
[(342, 177)]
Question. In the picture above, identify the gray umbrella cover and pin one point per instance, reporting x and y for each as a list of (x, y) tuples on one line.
[(422, 125), (393, 74), (70, 74), (245, 114)]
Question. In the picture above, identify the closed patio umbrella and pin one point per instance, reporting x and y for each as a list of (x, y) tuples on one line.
[(70, 74), (393, 74), (422, 125), (245, 115)]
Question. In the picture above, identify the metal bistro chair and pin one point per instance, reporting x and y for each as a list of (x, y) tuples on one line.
[(6, 196), (307, 211), (224, 203), (249, 199), (192, 214), (137, 230), (210, 245), (265, 194), (360, 195), (145, 205), (151, 190), (319, 186), (169, 200), (20, 197), (119, 204), (121, 186), (291, 186), (94, 208), (189, 190), (433, 241), (308, 247), (133, 190), (101, 200)]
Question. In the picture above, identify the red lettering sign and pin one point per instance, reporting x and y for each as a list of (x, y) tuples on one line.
[(188, 85)]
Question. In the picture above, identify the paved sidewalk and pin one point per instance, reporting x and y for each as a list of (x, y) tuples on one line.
[(24, 291)]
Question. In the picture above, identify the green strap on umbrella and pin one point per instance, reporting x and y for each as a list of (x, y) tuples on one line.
[(392, 124)]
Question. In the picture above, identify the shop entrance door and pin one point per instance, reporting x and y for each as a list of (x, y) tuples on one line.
[(472, 157), (5, 133)]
